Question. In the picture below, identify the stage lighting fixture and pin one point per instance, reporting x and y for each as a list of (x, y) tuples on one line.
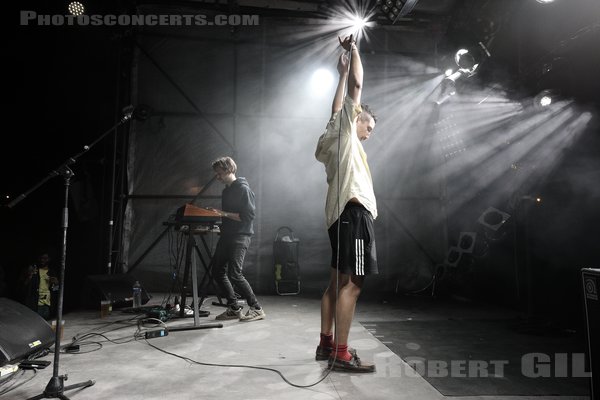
[(448, 85), (545, 1), (447, 88), (394, 9), (454, 76), (467, 65), (453, 256), (466, 241), (545, 98), (545, 101), (465, 60), (76, 8), (493, 218), (468, 59)]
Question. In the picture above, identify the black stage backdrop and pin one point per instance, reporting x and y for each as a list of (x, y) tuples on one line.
[(246, 92)]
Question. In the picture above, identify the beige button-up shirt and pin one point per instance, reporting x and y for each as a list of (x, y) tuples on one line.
[(354, 175)]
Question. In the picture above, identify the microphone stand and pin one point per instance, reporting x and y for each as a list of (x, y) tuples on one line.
[(55, 387)]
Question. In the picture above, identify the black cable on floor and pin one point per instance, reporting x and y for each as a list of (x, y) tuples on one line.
[(15, 385), (240, 366)]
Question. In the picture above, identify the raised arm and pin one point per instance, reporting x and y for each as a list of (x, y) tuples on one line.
[(342, 68), (355, 78)]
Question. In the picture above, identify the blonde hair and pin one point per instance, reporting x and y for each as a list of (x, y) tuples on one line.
[(226, 164)]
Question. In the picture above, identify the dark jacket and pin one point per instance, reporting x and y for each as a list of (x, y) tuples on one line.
[(238, 198)]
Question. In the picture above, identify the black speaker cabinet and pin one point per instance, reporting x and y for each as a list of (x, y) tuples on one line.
[(22, 332), (591, 292), (116, 287)]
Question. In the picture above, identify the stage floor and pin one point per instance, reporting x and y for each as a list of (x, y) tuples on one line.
[(274, 358)]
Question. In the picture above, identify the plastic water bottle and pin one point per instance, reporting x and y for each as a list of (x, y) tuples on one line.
[(109, 298), (137, 295)]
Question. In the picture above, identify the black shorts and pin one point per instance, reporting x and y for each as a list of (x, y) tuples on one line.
[(358, 255)]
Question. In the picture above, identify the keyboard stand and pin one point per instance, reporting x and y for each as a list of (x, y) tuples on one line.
[(190, 263)]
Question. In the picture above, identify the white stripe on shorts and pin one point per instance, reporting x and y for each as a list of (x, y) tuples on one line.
[(359, 262)]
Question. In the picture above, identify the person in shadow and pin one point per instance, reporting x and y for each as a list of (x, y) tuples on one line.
[(38, 285)]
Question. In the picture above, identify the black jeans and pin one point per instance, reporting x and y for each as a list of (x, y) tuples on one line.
[(44, 312), (228, 261)]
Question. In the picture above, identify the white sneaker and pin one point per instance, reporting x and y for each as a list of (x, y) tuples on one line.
[(230, 314), (253, 314)]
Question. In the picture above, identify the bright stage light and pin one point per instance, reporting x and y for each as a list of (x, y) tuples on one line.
[(352, 18), (545, 101), (320, 82), (76, 8), (545, 1), (545, 98), (358, 23)]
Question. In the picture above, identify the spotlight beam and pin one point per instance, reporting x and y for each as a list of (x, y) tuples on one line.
[(359, 23), (352, 18)]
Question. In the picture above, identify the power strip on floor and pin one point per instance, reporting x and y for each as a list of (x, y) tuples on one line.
[(161, 332)]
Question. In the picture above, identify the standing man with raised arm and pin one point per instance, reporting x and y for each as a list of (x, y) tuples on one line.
[(350, 210)]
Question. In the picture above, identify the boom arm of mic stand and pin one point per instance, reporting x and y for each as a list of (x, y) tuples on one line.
[(71, 160)]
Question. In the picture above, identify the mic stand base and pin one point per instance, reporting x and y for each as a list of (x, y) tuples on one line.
[(56, 388)]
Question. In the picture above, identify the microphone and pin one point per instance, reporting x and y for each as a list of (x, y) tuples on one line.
[(142, 112), (127, 112)]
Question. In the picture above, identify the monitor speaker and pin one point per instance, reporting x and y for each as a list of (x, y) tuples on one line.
[(591, 292), (22, 332)]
